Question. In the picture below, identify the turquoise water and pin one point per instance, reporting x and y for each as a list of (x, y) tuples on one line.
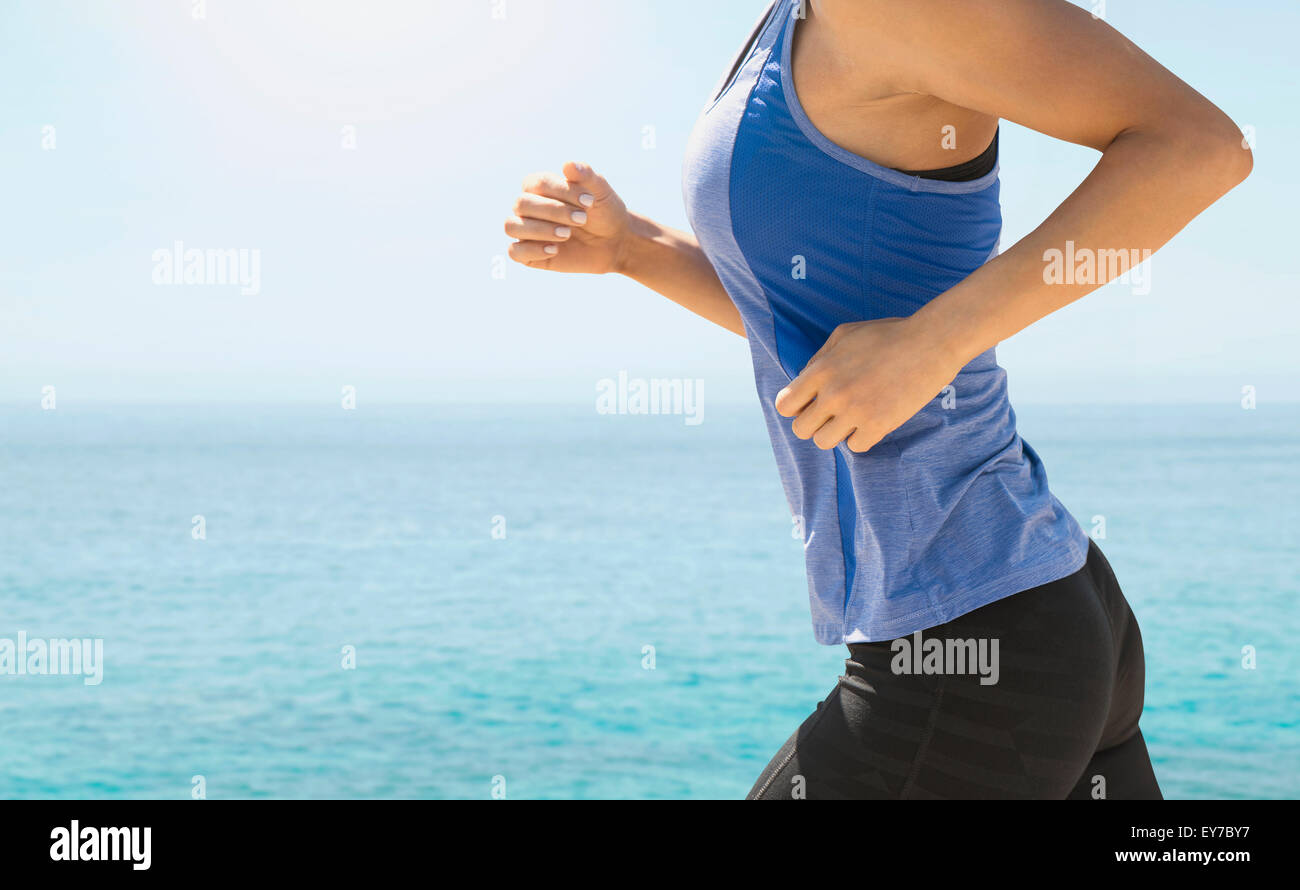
[(522, 657)]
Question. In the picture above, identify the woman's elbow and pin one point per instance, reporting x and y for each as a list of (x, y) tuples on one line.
[(1225, 156)]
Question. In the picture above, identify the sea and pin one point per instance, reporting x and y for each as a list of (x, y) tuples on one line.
[(544, 601)]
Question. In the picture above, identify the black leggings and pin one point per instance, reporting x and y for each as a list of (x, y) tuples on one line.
[(1061, 720)]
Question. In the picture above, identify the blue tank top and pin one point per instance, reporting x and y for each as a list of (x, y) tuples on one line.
[(949, 512)]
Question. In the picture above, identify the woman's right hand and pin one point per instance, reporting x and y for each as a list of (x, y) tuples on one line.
[(568, 223)]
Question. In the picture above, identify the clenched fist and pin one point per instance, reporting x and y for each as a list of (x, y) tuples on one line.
[(572, 222)]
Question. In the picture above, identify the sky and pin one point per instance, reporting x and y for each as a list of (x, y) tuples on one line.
[(366, 154)]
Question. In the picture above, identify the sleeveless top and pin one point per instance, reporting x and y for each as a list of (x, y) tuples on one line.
[(949, 512)]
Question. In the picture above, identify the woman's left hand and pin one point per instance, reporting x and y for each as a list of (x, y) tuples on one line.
[(868, 379)]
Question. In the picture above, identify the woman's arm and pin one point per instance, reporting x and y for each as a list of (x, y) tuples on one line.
[(576, 222), (671, 263), (1167, 154)]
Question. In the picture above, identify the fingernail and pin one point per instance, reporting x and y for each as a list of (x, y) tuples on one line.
[(579, 216), (586, 200), (562, 231), (551, 248)]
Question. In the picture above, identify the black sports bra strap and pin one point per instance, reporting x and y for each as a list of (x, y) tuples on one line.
[(746, 49)]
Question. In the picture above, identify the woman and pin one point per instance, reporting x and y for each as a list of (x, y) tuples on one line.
[(842, 182)]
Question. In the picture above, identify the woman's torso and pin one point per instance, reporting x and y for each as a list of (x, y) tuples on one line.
[(952, 510), (862, 105)]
